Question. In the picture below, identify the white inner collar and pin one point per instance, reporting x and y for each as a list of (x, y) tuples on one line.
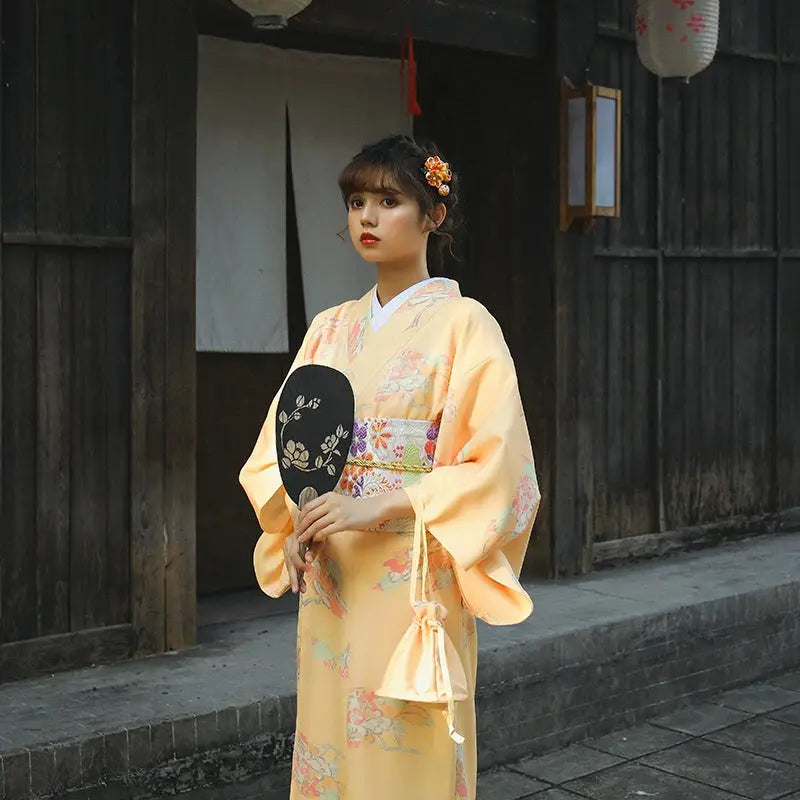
[(380, 314)]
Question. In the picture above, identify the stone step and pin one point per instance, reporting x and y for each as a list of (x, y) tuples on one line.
[(602, 652)]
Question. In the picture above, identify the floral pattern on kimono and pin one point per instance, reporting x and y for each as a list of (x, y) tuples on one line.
[(408, 378), (462, 790), (315, 770), (381, 721), (513, 521), (339, 664), (399, 571), (325, 578), (440, 570), (355, 339)]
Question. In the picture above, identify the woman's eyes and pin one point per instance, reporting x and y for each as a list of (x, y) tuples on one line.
[(358, 202)]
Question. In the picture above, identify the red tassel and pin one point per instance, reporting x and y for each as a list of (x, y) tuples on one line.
[(409, 89)]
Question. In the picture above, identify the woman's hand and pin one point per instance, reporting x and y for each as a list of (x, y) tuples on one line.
[(295, 565), (332, 513)]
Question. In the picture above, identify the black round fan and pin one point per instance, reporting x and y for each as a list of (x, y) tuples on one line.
[(313, 429)]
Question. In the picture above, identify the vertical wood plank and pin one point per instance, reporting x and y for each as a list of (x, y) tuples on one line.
[(758, 106), (148, 523), (766, 185), (181, 379), (89, 510), (116, 59), (752, 385), (54, 208), (54, 442), (18, 564), (19, 116), (115, 362), (679, 391), (790, 165), (787, 396), (714, 347), (693, 207), (673, 190), (55, 203), (18, 327), (718, 140), (597, 376)]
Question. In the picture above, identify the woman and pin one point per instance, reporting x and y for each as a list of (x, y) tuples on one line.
[(440, 449)]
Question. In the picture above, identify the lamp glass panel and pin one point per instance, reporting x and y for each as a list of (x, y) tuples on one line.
[(576, 144), (605, 192)]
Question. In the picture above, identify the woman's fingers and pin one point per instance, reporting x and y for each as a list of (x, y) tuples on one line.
[(311, 524), (290, 568), (293, 557), (324, 532), (307, 518), (327, 525)]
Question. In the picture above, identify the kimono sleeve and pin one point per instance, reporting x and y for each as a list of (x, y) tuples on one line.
[(261, 480), (481, 497)]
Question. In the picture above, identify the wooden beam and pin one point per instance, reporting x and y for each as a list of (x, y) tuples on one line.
[(3, 521), (48, 654), (181, 379), (67, 240), (148, 323), (573, 34), (694, 537), (510, 27)]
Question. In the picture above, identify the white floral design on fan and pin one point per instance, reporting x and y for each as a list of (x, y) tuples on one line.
[(296, 454)]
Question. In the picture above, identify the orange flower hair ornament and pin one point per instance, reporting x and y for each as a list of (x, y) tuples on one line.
[(438, 175)]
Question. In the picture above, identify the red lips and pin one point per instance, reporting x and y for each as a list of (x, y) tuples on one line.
[(369, 238)]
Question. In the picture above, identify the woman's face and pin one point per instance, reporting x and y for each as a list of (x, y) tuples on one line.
[(386, 226)]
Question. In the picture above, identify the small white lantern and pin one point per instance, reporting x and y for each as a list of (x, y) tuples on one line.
[(677, 38), (271, 14), (591, 137)]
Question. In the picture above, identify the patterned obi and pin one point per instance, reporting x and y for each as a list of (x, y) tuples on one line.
[(388, 454)]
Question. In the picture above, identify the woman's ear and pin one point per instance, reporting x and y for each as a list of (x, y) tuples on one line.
[(437, 216)]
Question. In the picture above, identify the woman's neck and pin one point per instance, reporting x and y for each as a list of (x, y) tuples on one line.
[(392, 281)]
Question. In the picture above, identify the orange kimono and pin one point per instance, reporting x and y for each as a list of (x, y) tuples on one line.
[(438, 414)]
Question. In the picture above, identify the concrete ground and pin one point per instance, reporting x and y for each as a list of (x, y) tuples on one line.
[(744, 743), (603, 652)]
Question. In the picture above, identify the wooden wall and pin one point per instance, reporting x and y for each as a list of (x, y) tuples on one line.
[(66, 328), (96, 331), (682, 352)]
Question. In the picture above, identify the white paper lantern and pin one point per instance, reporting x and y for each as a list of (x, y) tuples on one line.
[(677, 38), (271, 13)]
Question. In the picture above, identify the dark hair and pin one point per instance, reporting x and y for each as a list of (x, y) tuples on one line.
[(398, 162)]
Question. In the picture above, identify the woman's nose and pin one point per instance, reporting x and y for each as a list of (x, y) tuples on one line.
[(368, 214)]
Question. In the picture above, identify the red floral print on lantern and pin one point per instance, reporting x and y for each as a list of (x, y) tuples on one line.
[(641, 26), (684, 4), (696, 23)]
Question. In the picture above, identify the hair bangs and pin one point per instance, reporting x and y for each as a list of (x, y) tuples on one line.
[(361, 175)]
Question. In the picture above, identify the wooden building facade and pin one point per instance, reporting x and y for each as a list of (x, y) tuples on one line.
[(658, 357)]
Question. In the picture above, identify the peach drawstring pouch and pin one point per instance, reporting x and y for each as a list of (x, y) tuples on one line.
[(425, 666)]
